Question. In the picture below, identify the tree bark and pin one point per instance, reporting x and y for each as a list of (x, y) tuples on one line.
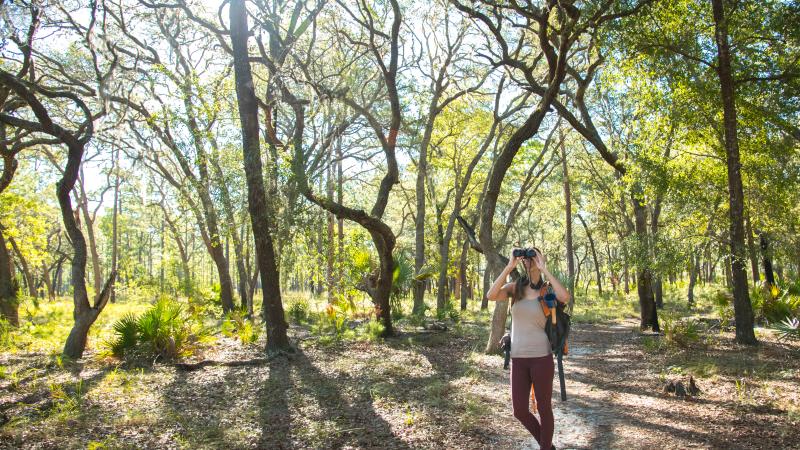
[(487, 283), (419, 218), (752, 251), (462, 275), (694, 269), (570, 250), (9, 303), (330, 255), (232, 231), (26, 270), (766, 257), (97, 276), (48, 282), (115, 213), (741, 298), (594, 255), (277, 339), (644, 275), (340, 220)]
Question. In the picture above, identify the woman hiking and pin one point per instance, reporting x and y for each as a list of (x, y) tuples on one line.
[(531, 358)]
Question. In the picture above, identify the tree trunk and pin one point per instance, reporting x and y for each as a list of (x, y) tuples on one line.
[(340, 220), (727, 269), (613, 275), (752, 251), (231, 232), (58, 277), (462, 275), (48, 282), (277, 340), (487, 283), (766, 257), (97, 276), (694, 269), (9, 303), (83, 313), (419, 222), (26, 270), (330, 256), (115, 213), (741, 298), (644, 286), (568, 221), (383, 290), (658, 292), (625, 273), (186, 276), (594, 256)]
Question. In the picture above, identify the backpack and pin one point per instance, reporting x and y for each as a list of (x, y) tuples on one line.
[(558, 332)]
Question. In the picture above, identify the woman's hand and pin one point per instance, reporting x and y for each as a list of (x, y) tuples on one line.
[(513, 260), (540, 262), (500, 290)]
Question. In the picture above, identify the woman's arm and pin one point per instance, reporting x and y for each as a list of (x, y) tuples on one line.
[(562, 294), (501, 290)]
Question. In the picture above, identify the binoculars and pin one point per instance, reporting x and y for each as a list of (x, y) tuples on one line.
[(524, 252)]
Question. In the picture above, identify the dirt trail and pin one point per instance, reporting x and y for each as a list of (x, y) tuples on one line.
[(419, 390), (615, 399)]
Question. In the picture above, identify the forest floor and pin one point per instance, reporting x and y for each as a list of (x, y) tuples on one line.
[(421, 389)]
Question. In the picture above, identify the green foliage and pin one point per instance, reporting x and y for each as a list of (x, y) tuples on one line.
[(127, 335), (161, 332), (773, 309), (68, 399), (333, 320), (651, 344), (448, 312), (723, 305), (682, 333), (6, 337), (298, 311), (236, 325), (402, 281), (373, 330), (593, 308), (789, 329)]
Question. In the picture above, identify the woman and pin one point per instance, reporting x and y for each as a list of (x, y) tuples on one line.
[(531, 359)]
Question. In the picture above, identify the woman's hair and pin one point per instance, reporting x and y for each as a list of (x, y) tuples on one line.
[(519, 288)]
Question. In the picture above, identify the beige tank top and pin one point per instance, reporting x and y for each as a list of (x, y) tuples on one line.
[(528, 339)]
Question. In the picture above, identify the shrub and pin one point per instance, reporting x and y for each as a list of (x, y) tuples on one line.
[(332, 319), (298, 311), (126, 331), (789, 329), (680, 332), (402, 282), (236, 325), (651, 344), (771, 308), (6, 338), (449, 312), (160, 332), (373, 330), (723, 305)]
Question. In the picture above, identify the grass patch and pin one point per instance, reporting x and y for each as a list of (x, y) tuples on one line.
[(609, 307), (44, 328)]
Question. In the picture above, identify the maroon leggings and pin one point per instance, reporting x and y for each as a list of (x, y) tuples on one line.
[(538, 371)]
